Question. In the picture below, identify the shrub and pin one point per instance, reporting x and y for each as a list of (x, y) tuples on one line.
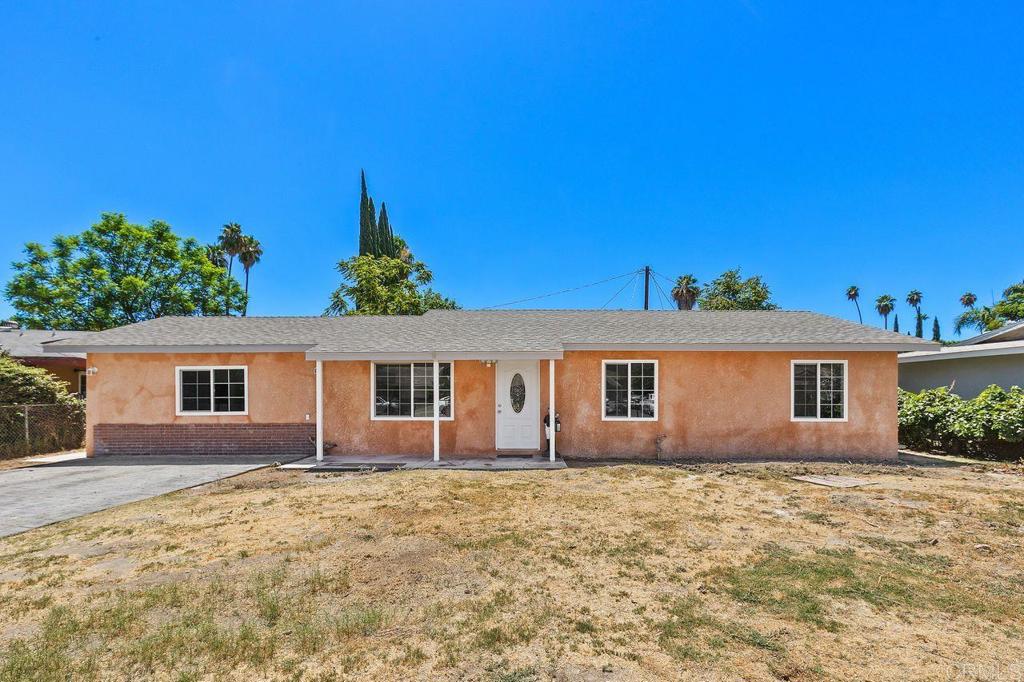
[(992, 424), (22, 384)]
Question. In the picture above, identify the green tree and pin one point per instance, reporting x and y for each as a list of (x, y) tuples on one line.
[(729, 291), (685, 292), (914, 301), (1010, 308), (381, 285), (230, 242), (367, 221), (249, 255), (968, 300), (853, 294), (896, 323), (117, 273), (884, 304), (386, 244), (936, 333)]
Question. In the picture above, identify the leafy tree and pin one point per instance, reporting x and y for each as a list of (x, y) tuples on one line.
[(685, 292), (731, 292), (386, 244), (1011, 307), (381, 285), (117, 273), (936, 333), (215, 254), (884, 304), (248, 256), (853, 294), (896, 323), (982, 319)]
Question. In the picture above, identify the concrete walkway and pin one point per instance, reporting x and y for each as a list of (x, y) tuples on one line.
[(39, 495), (388, 462)]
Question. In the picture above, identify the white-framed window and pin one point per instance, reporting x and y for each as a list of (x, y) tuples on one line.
[(405, 390), (629, 390), (818, 390), (212, 390)]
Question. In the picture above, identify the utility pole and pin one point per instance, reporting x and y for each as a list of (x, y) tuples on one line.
[(647, 287)]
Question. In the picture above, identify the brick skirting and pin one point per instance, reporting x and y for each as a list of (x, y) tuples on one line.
[(203, 439)]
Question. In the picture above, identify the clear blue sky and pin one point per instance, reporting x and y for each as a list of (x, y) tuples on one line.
[(526, 147)]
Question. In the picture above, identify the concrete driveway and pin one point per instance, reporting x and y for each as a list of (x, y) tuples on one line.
[(38, 495)]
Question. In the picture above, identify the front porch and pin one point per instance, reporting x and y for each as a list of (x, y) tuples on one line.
[(460, 410), (389, 462)]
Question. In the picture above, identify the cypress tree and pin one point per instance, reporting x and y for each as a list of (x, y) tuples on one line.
[(919, 328), (936, 335), (386, 238), (896, 322), (367, 220)]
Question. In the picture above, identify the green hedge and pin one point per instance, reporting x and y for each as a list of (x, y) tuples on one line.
[(990, 425)]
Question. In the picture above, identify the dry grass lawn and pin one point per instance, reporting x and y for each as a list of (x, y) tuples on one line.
[(604, 573)]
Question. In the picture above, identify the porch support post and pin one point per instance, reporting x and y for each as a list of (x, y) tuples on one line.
[(437, 411), (319, 410), (551, 409)]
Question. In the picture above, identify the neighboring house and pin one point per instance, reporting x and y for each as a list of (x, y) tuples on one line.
[(632, 384), (969, 367), (25, 345)]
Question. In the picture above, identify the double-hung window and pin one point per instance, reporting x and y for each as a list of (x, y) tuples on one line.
[(819, 390), (630, 390), (212, 390), (406, 390)]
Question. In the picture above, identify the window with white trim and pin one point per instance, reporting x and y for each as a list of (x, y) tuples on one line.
[(819, 390), (212, 390), (406, 390), (630, 390)]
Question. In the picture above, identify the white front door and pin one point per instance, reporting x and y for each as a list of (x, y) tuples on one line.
[(517, 422)]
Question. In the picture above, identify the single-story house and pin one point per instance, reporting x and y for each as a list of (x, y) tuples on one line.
[(26, 346), (632, 384), (969, 367)]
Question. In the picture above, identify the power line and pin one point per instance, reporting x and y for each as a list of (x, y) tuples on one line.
[(566, 291), (661, 292), (635, 275)]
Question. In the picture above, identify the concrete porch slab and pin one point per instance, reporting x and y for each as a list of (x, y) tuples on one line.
[(389, 462)]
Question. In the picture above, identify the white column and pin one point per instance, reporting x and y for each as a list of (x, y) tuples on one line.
[(437, 411), (319, 410), (551, 408)]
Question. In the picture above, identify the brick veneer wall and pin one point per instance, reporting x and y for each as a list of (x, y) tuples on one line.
[(204, 439)]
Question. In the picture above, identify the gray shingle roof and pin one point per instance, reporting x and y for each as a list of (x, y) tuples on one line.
[(27, 343), (497, 331)]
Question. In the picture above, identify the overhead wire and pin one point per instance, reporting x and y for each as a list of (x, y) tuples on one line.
[(635, 275), (566, 291)]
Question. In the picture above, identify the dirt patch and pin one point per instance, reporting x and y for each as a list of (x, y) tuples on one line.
[(598, 573)]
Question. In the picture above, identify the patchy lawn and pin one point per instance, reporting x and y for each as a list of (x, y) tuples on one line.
[(603, 573)]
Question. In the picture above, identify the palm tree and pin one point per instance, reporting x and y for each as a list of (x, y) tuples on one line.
[(914, 301), (230, 241), (968, 300), (984, 319), (248, 256), (884, 304), (685, 292), (852, 294)]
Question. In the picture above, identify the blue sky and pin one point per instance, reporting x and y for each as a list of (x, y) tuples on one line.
[(524, 148)]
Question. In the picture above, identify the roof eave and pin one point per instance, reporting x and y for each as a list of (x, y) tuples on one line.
[(193, 348)]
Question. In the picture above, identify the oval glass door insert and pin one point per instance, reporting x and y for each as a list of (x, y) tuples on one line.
[(517, 393)]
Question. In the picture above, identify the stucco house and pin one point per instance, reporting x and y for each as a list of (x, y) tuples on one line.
[(634, 384), (969, 367), (26, 346)]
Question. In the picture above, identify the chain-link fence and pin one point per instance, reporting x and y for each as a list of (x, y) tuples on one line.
[(37, 429)]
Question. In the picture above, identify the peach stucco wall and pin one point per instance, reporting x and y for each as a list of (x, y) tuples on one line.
[(711, 405), (347, 415), (139, 388), (728, 405)]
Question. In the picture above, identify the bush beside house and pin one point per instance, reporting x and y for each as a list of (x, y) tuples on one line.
[(37, 414), (990, 425)]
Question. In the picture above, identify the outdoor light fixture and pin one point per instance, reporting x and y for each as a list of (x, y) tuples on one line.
[(91, 371)]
